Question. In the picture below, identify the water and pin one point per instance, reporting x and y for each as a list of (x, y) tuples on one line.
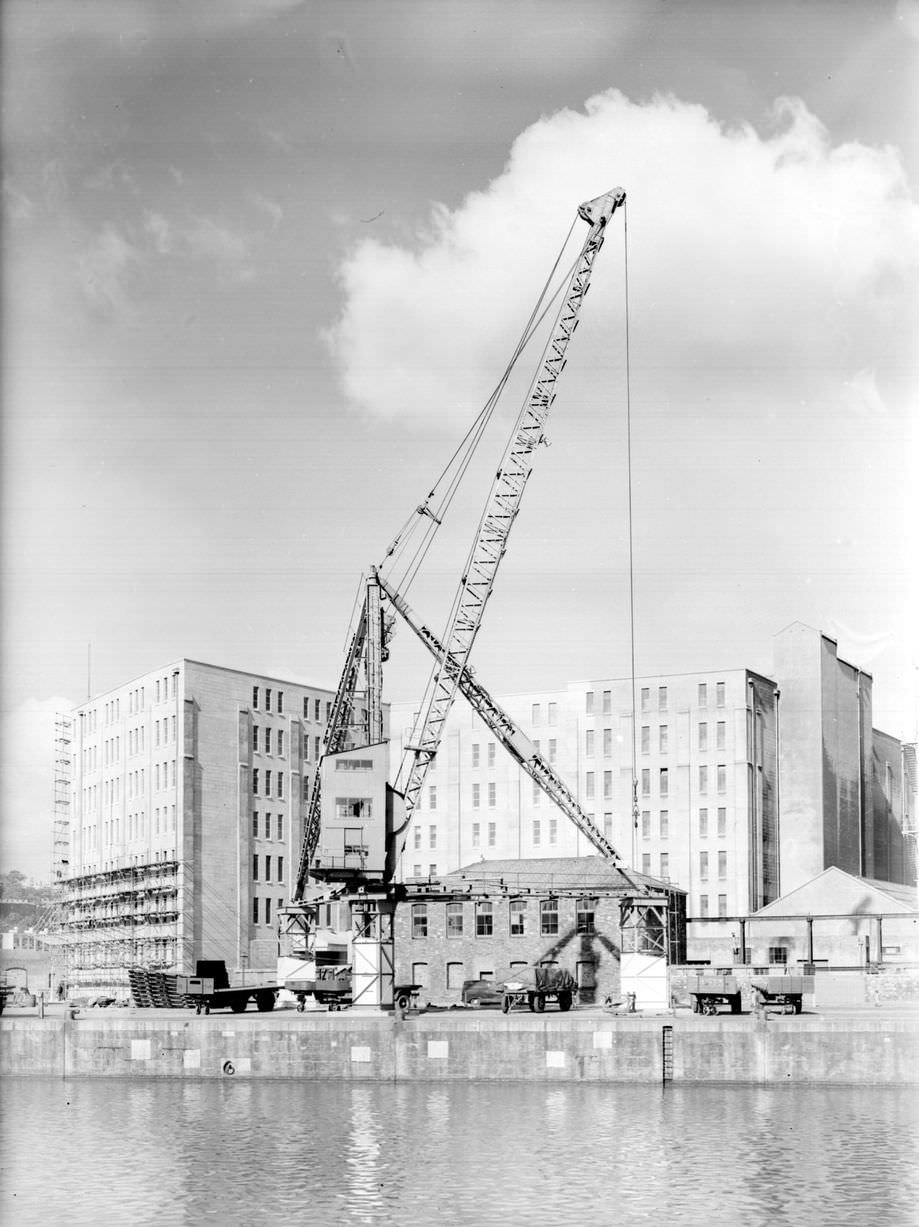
[(240, 1152)]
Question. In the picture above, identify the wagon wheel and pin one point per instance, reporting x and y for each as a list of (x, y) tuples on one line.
[(238, 1007), (264, 1001), (207, 1009), (564, 1001), (531, 1001), (540, 1003), (301, 1005), (402, 1001)]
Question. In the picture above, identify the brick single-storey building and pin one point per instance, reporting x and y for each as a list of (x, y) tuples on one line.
[(490, 917)]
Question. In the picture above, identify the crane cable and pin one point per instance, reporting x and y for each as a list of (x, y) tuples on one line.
[(628, 435)]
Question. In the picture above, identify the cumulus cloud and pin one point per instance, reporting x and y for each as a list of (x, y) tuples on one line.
[(270, 208), (773, 250)]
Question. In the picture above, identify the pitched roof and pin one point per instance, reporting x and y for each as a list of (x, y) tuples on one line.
[(834, 892), (568, 873)]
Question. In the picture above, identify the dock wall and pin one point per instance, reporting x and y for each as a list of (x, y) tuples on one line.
[(814, 1050)]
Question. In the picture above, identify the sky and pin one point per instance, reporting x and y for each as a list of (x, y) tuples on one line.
[(264, 262)]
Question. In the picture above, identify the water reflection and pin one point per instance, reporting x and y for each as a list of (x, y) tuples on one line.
[(240, 1152)]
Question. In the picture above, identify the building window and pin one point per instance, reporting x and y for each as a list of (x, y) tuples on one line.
[(454, 920), (267, 911), (703, 866), (537, 793), (646, 824), (553, 713), (432, 837), (491, 754), (663, 738), (536, 714), (722, 822), (589, 743), (484, 919), (722, 866), (703, 779), (548, 918), (537, 832), (280, 873), (476, 834), (306, 788), (267, 783), (455, 975), (584, 915), (492, 833), (665, 865), (476, 795), (254, 695), (703, 823), (317, 748), (665, 824), (280, 792), (646, 782), (491, 794), (417, 838), (662, 698), (703, 736), (267, 868), (722, 905), (719, 694), (317, 709), (664, 782), (778, 954), (267, 699), (306, 709), (722, 776), (255, 867), (607, 785), (607, 743), (268, 826), (255, 910), (432, 797), (703, 694), (280, 741), (517, 917), (280, 826), (553, 749), (646, 863), (475, 754), (279, 706), (645, 698), (607, 702), (608, 826), (646, 739), (703, 906), (254, 735), (589, 785), (720, 734), (589, 703), (553, 830), (419, 920), (416, 871), (254, 822)]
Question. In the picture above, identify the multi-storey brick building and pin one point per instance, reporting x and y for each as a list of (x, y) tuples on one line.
[(188, 791), (486, 919)]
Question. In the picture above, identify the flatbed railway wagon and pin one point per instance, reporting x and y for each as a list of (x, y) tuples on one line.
[(708, 992), (210, 990), (533, 987), (781, 994)]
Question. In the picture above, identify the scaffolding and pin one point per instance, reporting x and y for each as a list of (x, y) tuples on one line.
[(63, 781), (122, 918)]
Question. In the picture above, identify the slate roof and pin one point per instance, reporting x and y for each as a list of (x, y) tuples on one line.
[(569, 873)]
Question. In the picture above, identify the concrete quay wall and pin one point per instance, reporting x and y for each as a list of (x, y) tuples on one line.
[(486, 1046)]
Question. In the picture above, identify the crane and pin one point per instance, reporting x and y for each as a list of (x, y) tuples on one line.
[(356, 824)]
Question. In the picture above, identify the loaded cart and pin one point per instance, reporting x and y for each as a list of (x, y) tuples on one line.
[(210, 990), (331, 987), (707, 992), (534, 986), (781, 994)]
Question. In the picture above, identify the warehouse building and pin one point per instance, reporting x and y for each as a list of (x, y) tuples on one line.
[(187, 792), (746, 785)]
